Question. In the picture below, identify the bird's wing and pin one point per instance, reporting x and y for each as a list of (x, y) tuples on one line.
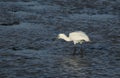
[(79, 35)]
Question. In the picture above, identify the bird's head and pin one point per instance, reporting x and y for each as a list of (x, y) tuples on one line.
[(60, 36)]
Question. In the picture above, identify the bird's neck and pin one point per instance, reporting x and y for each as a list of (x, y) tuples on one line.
[(66, 38)]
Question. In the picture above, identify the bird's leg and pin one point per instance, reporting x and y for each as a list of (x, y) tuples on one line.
[(81, 51), (74, 52)]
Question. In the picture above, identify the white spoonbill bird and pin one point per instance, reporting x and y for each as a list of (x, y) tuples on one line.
[(76, 37)]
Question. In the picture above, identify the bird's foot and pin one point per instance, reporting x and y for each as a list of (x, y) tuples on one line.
[(74, 53), (81, 54)]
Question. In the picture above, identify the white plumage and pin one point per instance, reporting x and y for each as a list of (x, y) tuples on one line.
[(76, 37)]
